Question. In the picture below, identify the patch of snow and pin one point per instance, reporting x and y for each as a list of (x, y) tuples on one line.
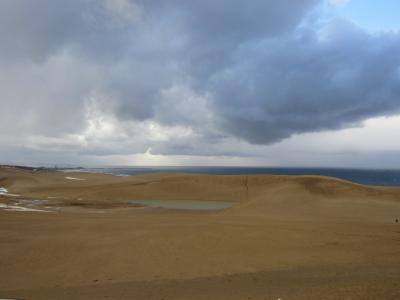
[(19, 208), (73, 178), (4, 192), (39, 201), (32, 202)]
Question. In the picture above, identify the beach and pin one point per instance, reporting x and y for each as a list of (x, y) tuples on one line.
[(83, 235)]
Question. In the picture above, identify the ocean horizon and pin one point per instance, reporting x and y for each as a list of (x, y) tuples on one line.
[(372, 177)]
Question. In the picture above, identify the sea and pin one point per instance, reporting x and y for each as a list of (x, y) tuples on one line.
[(361, 176)]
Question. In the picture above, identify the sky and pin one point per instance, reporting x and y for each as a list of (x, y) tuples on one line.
[(369, 14), (305, 83)]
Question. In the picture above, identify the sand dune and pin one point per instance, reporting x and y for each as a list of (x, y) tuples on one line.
[(285, 237)]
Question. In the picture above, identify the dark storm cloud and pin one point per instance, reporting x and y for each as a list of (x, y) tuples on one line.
[(309, 81), (182, 41), (36, 30), (258, 71)]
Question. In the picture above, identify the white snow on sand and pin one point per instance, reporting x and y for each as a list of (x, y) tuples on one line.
[(4, 192), (73, 178), (19, 208)]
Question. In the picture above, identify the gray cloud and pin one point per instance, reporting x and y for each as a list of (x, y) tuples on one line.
[(185, 77), (309, 81)]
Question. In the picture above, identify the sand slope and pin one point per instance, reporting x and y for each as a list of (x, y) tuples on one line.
[(286, 237)]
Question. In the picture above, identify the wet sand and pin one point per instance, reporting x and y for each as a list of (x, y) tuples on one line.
[(285, 238)]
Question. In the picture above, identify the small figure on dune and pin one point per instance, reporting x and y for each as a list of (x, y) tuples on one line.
[(397, 220)]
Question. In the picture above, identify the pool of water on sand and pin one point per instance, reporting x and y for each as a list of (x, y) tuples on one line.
[(184, 204)]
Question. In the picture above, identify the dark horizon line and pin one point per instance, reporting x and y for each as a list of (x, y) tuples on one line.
[(74, 167)]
